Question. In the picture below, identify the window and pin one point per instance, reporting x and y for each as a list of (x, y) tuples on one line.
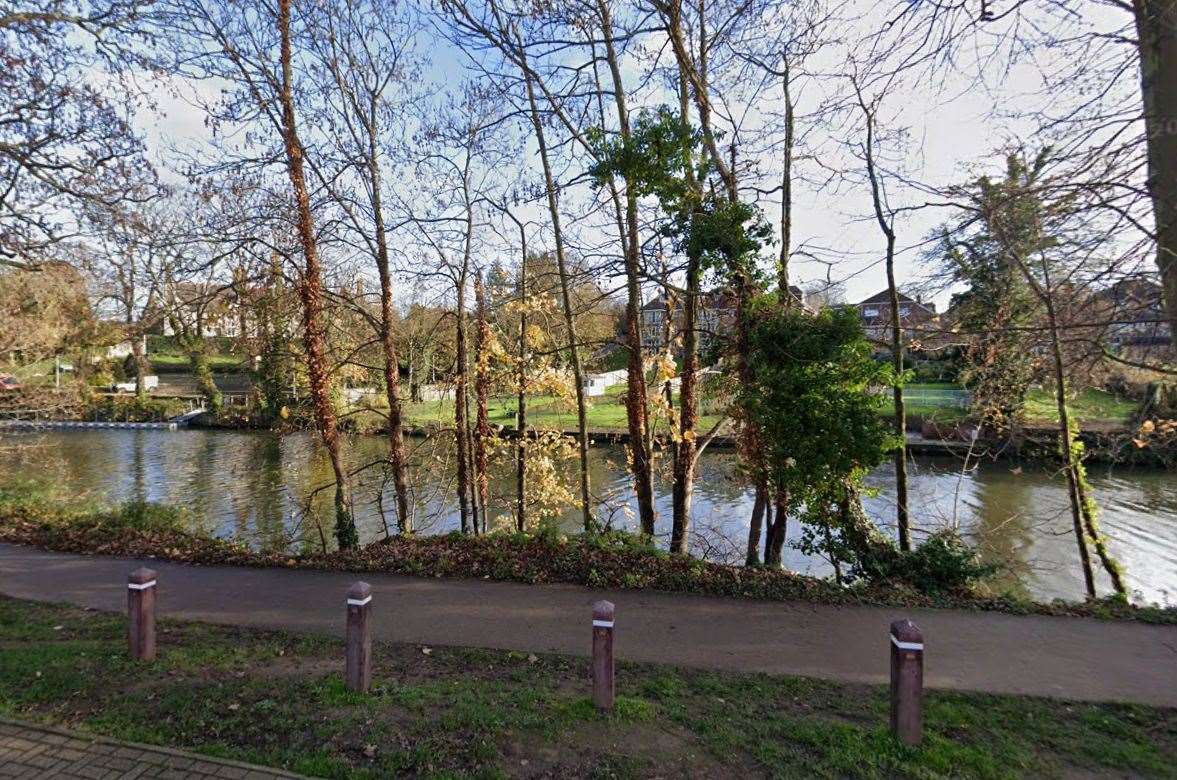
[(904, 311), (870, 312)]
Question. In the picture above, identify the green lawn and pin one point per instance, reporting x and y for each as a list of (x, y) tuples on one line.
[(941, 401), (606, 412), (277, 699), (1091, 405), (932, 400), (172, 362)]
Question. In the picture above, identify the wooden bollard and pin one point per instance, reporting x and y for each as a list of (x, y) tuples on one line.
[(907, 682), (358, 673), (603, 655), (141, 587)]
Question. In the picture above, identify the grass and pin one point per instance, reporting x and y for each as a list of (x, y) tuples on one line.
[(172, 362), (938, 401), (277, 699), (606, 413), (1091, 405)]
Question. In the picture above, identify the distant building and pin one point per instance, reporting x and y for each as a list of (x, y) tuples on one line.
[(716, 310), (124, 349), (210, 309), (597, 384), (916, 318), (1134, 311), (717, 315)]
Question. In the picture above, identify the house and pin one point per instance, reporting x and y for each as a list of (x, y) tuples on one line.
[(597, 384), (210, 309), (717, 314), (1135, 316), (917, 318), (114, 340), (123, 349)]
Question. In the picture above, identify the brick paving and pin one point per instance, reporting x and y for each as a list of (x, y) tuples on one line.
[(31, 751)]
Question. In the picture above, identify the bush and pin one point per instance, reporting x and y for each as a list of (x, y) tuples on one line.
[(944, 563), (935, 371)]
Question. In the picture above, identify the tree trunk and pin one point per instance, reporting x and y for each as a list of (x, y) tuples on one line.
[(471, 469), (243, 305), (752, 558), (1066, 451), (198, 361), (886, 225), (637, 413), (481, 392), (786, 194), (142, 368), (311, 294), (566, 298), (1082, 507), (688, 445), (461, 425), (397, 462), (1156, 27), (521, 409), (897, 400), (774, 542)]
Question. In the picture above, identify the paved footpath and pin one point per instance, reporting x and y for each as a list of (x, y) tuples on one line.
[(28, 751), (1075, 658)]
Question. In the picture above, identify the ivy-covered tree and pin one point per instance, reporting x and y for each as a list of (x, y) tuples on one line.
[(812, 395), (717, 235)]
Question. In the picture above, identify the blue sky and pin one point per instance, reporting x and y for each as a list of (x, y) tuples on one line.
[(950, 125)]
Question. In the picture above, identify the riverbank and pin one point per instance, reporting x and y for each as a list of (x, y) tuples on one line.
[(606, 560), (262, 696)]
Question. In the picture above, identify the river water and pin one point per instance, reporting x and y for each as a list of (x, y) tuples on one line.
[(255, 486)]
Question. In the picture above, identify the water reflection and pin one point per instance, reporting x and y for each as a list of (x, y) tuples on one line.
[(261, 488)]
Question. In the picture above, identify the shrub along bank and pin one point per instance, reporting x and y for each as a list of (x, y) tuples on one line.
[(604, 560)]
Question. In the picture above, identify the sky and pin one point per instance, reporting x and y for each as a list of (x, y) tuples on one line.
[(951, 129)]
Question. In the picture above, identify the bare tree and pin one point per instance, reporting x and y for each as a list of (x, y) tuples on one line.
[(65, 142), (885, 217), (366, 65), (252, 46)]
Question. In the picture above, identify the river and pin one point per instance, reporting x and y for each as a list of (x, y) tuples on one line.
[(253, 485)]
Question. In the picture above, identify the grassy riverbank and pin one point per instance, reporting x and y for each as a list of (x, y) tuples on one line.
[(610, 560), (932, 401), (605, 414), (278, 699)]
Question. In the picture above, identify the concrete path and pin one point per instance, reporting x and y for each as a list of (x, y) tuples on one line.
[(1072, 658), (31, 751)]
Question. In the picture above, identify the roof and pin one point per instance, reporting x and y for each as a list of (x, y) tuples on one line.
[(884, 297)]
